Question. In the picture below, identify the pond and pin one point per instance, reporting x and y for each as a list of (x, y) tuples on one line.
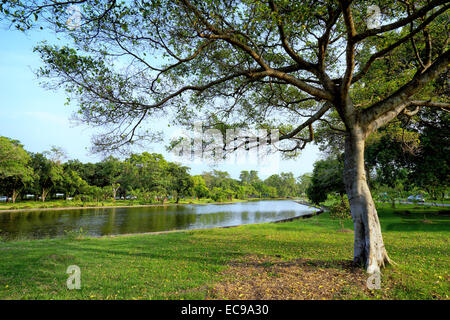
[(113, 221)]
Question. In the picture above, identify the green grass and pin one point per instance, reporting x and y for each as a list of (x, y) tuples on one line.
[(23, 205), (183, 265)]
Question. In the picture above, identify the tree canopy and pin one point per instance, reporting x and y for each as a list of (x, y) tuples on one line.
[(326, 178), (15, 173), (241, 63)]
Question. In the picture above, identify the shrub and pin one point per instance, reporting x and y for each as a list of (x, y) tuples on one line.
[(340, 210), (75, 234)]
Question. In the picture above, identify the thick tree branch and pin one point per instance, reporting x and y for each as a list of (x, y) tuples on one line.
[(308, 122), (303, 63), (322, 44), (314, 91), (350, 49), (402, 108), (402, 95), (391, 47), (400, 23), (217, 34)]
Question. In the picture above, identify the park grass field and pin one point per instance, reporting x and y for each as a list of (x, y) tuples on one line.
[(303, 259)]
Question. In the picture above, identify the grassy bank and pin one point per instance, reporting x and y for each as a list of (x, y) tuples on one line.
[(55, 204), (307, 258), (62, 204)]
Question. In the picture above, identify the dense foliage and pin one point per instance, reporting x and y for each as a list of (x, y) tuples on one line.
[(408, 157), (146, 177), (326, 179), (414, 160)]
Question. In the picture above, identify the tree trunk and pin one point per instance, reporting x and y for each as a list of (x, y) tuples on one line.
[(115, 188), (44, 194), (15, 194), (369, 248)]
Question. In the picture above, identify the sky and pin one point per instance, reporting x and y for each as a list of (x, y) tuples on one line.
[(39, 118)]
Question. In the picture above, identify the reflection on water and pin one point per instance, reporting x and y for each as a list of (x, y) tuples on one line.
[(109, 221)]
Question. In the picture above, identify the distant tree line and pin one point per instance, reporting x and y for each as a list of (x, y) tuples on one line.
[(147, 177)]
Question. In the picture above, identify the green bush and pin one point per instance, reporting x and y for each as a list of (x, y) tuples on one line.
[(340, 210), (75, 234)]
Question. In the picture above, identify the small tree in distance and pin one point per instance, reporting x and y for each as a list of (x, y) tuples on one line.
[(15, 173), (340, 210)]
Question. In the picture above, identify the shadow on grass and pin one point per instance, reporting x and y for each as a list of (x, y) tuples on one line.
[(420, 221), (340, 264), (264, 277)]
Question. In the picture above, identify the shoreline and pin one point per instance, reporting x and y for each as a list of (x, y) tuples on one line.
[(310, 204), (303, 216), (114, 207), (317, 211), (138, 205)]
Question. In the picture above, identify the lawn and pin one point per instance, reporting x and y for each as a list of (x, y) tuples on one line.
[(306, 258)]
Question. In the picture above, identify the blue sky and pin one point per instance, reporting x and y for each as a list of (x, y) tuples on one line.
[(40, 119)]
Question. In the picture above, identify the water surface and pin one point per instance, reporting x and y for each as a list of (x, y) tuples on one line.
[(113, 221)]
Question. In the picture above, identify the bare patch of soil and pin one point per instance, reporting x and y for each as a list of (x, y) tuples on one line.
[(267, 278)]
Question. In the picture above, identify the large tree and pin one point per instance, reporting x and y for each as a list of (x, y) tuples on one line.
[(247, 177), (111, 172), (303, 182), (326, 179), (149, 172), (284, 183), (15, 172), (72, 183), (254, 64), (49, 174), (181, 182), (199, 188)]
